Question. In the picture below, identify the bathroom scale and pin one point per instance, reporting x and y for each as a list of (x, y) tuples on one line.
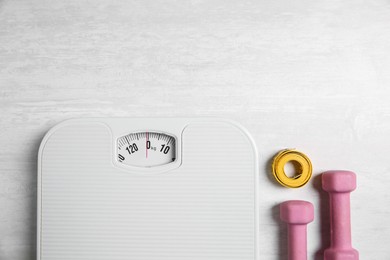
[(147, 189)]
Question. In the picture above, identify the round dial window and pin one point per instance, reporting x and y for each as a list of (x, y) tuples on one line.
[(146, 149)]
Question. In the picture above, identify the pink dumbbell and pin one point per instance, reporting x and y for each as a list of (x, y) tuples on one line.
[(339, 184), (297, 214)]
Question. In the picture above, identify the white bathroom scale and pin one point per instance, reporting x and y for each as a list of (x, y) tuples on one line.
[(147, 189)]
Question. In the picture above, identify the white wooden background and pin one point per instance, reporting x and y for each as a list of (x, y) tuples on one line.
[(314, 75)]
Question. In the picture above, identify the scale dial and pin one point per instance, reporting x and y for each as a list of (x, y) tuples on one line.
[(146, 149)]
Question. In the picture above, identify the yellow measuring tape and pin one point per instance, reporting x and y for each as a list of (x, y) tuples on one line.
[(304, 170)]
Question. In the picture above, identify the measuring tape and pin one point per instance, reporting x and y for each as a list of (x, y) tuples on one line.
[(304, 171)]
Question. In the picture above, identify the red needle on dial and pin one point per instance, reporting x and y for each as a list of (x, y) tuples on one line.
[(147, 139)]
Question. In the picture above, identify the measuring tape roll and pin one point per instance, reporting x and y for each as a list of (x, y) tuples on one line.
[(304, 172)]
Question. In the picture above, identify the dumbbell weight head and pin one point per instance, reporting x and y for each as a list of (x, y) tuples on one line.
[(296, 212), (339, 181)]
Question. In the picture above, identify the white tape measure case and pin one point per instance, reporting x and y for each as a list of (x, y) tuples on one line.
[(147, 189)]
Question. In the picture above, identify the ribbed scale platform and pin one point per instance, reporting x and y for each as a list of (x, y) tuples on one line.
[(202, 210)]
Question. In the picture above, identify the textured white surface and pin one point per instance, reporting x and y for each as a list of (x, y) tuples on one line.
[(307, 74)]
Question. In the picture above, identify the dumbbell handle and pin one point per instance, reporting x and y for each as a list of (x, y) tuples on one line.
[(297, 242), (340, 220)]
